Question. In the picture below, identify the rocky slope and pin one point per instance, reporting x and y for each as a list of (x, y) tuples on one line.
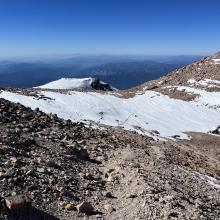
[(203, 74), (51, 168), (58, 164)]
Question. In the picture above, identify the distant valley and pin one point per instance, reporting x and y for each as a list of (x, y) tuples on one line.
[(122, 72)]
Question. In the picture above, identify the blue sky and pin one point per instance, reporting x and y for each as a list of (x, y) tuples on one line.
[(51, 27)]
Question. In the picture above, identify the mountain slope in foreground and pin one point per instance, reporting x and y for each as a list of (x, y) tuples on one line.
[(151, 152)]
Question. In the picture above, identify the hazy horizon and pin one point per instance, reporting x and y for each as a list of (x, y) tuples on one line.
[(54, 57), (42, 28)]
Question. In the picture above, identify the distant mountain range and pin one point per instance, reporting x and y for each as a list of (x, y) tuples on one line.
[(120, 71), (128, 74)]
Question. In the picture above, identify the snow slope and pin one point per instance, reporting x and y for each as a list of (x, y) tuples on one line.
[(142, 113), (68, 83)]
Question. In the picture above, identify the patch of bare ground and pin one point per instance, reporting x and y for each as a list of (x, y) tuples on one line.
[(177, 94), (201, 153), (129, 93), (36, 91), (213, 89)]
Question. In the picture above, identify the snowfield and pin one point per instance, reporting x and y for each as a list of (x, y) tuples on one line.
[(216, 61), (68, 83), (143, 113)]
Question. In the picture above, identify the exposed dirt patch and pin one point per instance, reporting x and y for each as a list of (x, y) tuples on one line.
[(177, 94), (201, 153)]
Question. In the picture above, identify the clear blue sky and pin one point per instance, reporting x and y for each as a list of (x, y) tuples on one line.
[(44, 27)]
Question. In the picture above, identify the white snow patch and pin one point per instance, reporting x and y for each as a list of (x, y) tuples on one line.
[(192, 81), (149, 111), (160, 82), (216, 61), (68, 83)]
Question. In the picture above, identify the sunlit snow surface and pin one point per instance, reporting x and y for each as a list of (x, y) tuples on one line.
[(149, 111), (68, 83), (216, 61)]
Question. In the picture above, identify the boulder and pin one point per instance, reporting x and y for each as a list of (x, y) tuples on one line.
[(17, 202), (85, 207)]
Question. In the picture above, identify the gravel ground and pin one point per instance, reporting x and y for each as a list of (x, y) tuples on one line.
[(59, 165)]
